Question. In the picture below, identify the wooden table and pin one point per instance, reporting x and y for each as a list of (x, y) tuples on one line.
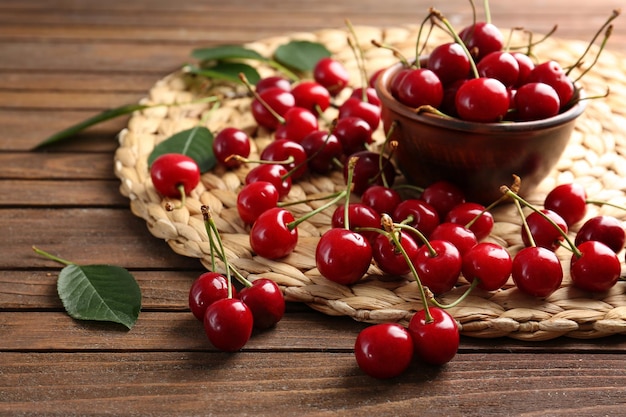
[(63, 61)]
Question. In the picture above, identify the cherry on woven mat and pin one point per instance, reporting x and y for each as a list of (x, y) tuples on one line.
[(606, 229), (273, 173), (229, 142), (596, 268), (331, 256), (359, 216), (312, 96), (255, 198), (537, 271), (543, 232), (387, 255), (489, 263), (323, 150), (569, 201), (174, 175), (331, 74), (418, 214), (438, 266), (382, 199), (272, 236), (457, 234), (281, 150), (296, 124), (475, 215)]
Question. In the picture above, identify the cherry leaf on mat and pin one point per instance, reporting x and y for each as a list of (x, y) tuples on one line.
[(301, 55), (196, 143), (228, 71), (100, 293)]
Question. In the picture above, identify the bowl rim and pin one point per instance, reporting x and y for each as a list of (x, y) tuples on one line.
[(453, 123)]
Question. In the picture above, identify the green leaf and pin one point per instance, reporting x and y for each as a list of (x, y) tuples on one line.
[(228, 71), (99, 118), (196, 143), (301, 55), (226, 52), (100, 292)]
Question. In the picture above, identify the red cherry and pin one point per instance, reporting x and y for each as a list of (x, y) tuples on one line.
[(424, 216), (266, 302), (354, 107), (536, 101), (359, 216), (467, 212), (449, 62), (382, 199), (484, 100), (443, 196), (537, 271), (389, 257), (331, 74), (271, 235), (331, 259), (460, 236), (482, 38), (551, 73), (368, 94), (569, 201), (255, 198), (273, 173), (281, 150), (273, 81), (205, 290), (354, 134), (323, 149), (525, 64), (500, 65), (420, 87), (312, 96), (543, 232), (276, 99), (605, 229), (228, 324), (435, 342), (439, 272), (298, 123), (489, 263), (172, 172), (228, 142), (367, 171), (596, 268), (383, 350)]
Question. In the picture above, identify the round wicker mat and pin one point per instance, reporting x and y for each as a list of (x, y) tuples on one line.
[(596, 158)]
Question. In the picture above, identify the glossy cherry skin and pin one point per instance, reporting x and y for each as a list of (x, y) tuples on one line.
[(275, 98), (170, 172), (535, 101), (449, 62), (354, 107), (537, 271), (526, 65), (312, 96), (484, 100), (543, 232), (482, 38), (424, 216), (605, 229), (228, 142), (489, 263), (467, 212), (266, 302), (331, 259), (382, 199), (271, 236), (569, 201), (273, 81), (367, 171), (435, 342), (323, 149), (384, 350), (273, 173), (389, 257), (298, 123), (439, 272), (551, 73), (420, 87), (331, 74), (500, 65), (228, 324), (255, 198), (354, 134), (205, 290), (443, 196), (368, 94), (460, 236), (359, 216), (596, 269), (281, 150)]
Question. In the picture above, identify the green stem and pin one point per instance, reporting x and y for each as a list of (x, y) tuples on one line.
[(52, 257), (211, 229), (292, 225), (605, 203), (458, 301)]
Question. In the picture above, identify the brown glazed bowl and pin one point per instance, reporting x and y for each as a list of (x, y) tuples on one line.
[(478, 157)]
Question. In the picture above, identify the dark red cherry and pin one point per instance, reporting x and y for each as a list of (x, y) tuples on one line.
[(535, 101), (596, 268), (418, 214), (255, 198), (526, 65), (366, 94), (298, 123), (389, 257), (543, 232), (443, 196), (449, 62), (276, 99), (606, 229), (174, 174), (354, 134), (460, 236), (205, 290), (281, 150), (537, 271), (551, 73), (382, 199), (569, 201), (323, 150), (420, 87), (271, 82), (500, 65), (481, 220), (383, 350), (228, 142), (439, 271), (367, 171), (272, 236), (228, 324), (359, 216), (265, 301), (273, 173), (354, 107), (488, 262), (331, 74), (312, 96), (482, 38)]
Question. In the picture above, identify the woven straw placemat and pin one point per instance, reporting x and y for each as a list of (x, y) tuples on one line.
[(595, 158)]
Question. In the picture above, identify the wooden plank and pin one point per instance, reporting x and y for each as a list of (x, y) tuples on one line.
[(306, 383), (84, 236), (43, 165), (71, 100), (85, 83), (61, 193)]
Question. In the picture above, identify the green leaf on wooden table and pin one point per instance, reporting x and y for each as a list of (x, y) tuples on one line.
[(196, 143), (226, 52), (300, 55), (97, 292), (100, 293), (98, 118), (228, 71)]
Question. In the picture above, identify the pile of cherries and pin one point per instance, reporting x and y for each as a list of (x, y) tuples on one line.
[(436, 237)]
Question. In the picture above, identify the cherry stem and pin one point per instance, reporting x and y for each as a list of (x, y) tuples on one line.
[(487, 11), (457, 39), (346, 212), (211, 230), (609, 31), (353, 42), (419, 234), (572, 246), (252, 91), (52, 257), (418, 50), (531, 239), (615, 13), (284, 204), (396, 52), (605, 203), (169, 206), (292, 225)]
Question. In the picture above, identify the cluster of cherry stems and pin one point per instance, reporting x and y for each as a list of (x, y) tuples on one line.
[(436, 237)]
